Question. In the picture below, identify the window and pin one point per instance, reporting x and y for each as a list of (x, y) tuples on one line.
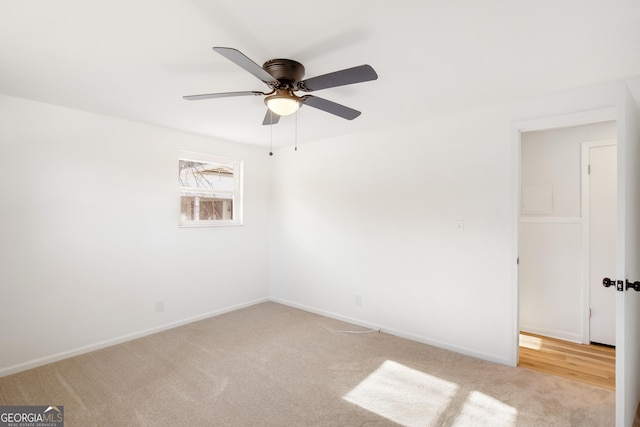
[(210, 190)]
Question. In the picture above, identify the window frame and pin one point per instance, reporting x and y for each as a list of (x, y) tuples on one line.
[(236, 193)]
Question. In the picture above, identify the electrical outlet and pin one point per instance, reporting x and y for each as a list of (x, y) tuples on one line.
[(358, 300), (159, 306)]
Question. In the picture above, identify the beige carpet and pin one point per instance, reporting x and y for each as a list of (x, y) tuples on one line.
[(272, 365)]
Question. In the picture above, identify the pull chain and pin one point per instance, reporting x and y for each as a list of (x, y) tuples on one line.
[(296, 136), (271, 133)]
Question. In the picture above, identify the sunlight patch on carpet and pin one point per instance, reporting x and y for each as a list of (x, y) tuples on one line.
[(403, 395), (482, 410)]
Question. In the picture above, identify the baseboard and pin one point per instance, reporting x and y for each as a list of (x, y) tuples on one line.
[(398, 333), (124, 338), (552, 333)]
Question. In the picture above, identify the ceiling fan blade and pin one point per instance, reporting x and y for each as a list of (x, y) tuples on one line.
[(244, 62), (359, 74), (270, 118), (330, 107), (221, 95)]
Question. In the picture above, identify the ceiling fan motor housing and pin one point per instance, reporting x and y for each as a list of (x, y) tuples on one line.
[(286, 71)]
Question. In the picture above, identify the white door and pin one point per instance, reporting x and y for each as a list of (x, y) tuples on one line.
[(602, 242), (628, 259)]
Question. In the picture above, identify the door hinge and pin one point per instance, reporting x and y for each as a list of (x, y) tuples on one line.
[(589, 313), (518, 261), (588, 169)]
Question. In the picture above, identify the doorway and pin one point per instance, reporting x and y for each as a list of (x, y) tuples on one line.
[(564, 245)]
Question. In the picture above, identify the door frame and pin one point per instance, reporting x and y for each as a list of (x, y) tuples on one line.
[(517, 128), (585, 148)]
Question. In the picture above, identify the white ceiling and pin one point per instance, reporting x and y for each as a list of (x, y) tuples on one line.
[(135, 59)]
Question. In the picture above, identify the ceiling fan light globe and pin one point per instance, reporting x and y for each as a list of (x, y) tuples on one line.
[(282, 105)]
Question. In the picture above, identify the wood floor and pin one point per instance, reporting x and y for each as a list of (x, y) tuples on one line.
[(592, 364)]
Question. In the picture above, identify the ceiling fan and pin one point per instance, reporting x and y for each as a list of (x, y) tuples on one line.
[(284, 78)]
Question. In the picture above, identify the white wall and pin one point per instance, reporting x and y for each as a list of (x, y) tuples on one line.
[(82, 261), (553, 157), (89, 236), (551, 263), (375, 215)]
